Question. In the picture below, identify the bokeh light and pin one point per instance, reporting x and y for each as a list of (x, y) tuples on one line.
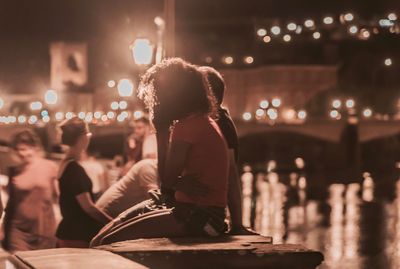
[(51, 97), (247, 116), (125, 87)]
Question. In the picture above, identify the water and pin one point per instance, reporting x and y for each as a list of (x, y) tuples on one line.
[(351, 228)]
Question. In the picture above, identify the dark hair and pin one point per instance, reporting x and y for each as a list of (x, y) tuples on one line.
[(143, 119), (72, 129), (216, 82), (27, 137), (174, 89)]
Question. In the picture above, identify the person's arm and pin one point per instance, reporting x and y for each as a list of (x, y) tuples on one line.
[(86, 203), (175, 163), (235, 198), (162, 136)]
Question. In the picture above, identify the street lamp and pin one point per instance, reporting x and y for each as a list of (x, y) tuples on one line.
[(142, 51)]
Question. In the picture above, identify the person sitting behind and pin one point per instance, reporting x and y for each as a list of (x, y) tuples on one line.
[(134, 186), (228, 129)]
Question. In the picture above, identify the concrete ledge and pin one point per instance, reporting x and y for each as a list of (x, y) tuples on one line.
[(223, 252), (70, 258)]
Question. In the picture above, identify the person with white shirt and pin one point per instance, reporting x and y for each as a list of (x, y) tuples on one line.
[(134, 186)]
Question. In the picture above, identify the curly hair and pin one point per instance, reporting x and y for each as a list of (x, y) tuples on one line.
[(174, 89)]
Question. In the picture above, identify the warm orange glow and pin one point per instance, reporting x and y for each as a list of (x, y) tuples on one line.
[(316, 35), (228, 60), (328, 20), (249, 60), (291, 26), (309, 23), (267, 39), (287, 38), (247, 116), (111, 83), (388, 62)]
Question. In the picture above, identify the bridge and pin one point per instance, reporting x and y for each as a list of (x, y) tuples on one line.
[(324, 130)]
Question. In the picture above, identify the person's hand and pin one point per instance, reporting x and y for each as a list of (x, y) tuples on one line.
[(241, 230), (191, 185)]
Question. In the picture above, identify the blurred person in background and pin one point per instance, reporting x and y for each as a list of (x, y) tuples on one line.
[(29, 222), (141, 178), (81, 219), (141, 135), (96, 172)]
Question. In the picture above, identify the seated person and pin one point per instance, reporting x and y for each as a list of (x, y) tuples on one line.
[(228, 129), (195, 146), (141, 178), (131, 188)]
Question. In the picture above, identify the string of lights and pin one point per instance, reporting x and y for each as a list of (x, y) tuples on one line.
[(342, 26), (97, 117), (273, 111), (349, 23)]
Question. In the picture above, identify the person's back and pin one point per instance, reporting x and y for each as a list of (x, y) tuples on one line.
[(207, 158)]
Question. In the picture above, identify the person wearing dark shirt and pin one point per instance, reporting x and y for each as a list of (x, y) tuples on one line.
[(81, 219), (228, 129)]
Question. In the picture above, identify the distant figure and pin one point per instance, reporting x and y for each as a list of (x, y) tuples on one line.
[(96, 172), (114, 169), (141, 178), (81, 219), (29, 221), (136, 143)]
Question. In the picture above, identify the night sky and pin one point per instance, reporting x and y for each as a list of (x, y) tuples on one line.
[(203, 28)]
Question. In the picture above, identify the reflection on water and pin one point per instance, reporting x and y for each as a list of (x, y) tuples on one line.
[(351, 228)]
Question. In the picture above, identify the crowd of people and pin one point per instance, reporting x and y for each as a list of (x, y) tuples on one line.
[(180, 171)]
